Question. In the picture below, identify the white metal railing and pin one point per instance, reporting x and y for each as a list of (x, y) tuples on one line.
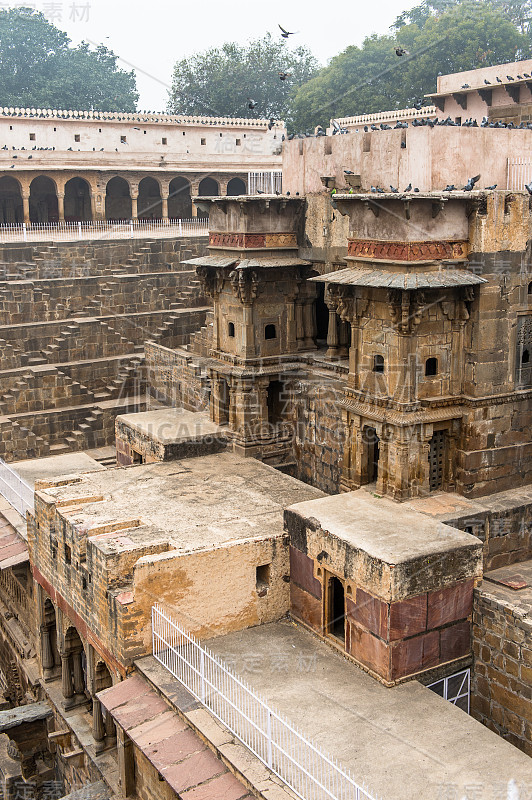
[(269, 182), (519, 172), (309, 772), (16, 491), (101, 229), (455, 688)]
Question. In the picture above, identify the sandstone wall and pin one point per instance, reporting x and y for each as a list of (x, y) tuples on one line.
[(501, 694)]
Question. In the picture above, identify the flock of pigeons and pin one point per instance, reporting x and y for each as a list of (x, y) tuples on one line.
[(470, 185)]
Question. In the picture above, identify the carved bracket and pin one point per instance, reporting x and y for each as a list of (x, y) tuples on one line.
[(245, 284), (406, 309)]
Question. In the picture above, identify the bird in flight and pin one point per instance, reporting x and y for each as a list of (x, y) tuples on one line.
[(490, 188), (400, 51), (283, 76), (286, 34), (251, 103), (528, 187), (470, 184)]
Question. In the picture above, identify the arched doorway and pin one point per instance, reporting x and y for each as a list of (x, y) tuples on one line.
[(149, 203), (179, 200), (77, 201), (74, 668), (43, 200), (103, 726), (208, 188), (117, 199), (50, 658), (11, 207), (336, 609), (235, 187)]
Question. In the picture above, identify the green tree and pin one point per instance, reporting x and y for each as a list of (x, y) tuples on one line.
[(461, 36), (39, 68), (219, 81)]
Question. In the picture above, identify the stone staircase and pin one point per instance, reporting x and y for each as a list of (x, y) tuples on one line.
[(28, 391), (84, 339), (201, 342)]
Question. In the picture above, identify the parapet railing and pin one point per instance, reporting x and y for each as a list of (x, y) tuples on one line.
[(136, 116), (387, 116), (15, 490), (101, 229), (299, 763), (518, 172)]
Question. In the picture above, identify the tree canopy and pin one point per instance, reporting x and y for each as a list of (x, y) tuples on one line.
[(39, 68), (441, 36), (219, 81)]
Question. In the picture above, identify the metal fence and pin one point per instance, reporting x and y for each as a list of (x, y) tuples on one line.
[(309, 772), (103, 229), (269, 182), (16, 491), (455, 688), (519, 173)]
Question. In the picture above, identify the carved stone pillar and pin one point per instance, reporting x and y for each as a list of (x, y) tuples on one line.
[(291, 328), (93, 206), (308, 325), (248, 348), (67, 687), (332, 334), (98, 729), (110, 728), (47, 655), (26, 207), (300, 329), (343, 339), (77, 673), (134, 205), (61, 206), (126, 764), (164, 203)]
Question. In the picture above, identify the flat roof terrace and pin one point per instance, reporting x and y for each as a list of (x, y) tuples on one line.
[(406, 743), (193, 504)]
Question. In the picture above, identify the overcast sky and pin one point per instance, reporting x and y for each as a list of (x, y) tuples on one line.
[(151, 35)]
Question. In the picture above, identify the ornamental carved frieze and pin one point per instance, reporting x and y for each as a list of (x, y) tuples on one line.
[(407, 251), (245, 284), (253, 241)]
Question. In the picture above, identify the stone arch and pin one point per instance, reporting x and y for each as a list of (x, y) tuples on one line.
[(50, 658), (179, 199), (43, 200), (11, 205), (149, 204), (74, 664), (78, 200), (208, 188), (236, 186), (118, 199)]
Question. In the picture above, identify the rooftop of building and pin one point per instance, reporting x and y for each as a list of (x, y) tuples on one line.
[(172, 425), (193, 504), (511, 586), (405, 742)]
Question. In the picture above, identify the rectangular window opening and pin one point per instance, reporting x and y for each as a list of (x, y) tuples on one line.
[(237, 142), (77, 137), (123, 140), (263, 578), (32, 137), (68, 554), (204, 141), (165, 140)]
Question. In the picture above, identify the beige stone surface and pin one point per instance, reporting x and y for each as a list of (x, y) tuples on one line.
[(406, 742)]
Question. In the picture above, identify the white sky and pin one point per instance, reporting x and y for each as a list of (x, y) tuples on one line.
[(151, 35)]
